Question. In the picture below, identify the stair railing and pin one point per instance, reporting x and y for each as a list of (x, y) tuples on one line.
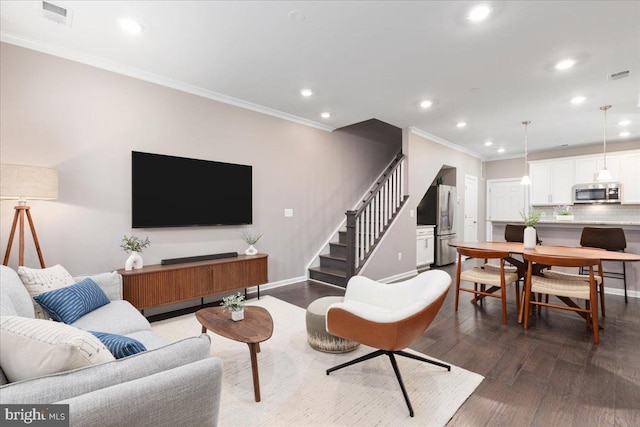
[(367, 224)]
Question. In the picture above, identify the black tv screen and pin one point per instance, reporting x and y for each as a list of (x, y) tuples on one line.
[(170, 191)]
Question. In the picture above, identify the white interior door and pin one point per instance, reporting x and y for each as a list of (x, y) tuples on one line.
[(470, 208)]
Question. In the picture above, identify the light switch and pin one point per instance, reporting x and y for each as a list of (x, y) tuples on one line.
[(288, 212)]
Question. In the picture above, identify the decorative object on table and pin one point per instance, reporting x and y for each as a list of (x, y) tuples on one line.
[(604, 174), (530, 219), (525, 178), (235, 304), (563, 213), (22, 183), (134, 245), (251, 238)]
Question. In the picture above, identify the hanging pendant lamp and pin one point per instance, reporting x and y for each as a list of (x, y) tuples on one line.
[(604, 174), (525, 178)]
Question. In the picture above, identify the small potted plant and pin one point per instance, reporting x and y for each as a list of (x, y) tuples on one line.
[(235, 304), (134, 245), (251, 238), (530, 219), (563, 213)]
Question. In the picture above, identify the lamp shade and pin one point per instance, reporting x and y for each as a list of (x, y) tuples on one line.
[(24, 182)]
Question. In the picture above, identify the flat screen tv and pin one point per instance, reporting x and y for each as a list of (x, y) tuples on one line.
[(170, 191)]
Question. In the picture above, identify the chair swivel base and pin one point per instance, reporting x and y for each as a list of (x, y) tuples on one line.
[(395, 367)]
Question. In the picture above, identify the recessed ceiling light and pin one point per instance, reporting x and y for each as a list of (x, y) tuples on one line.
[(625, 134), (306, 92), (488, 144), (565, 64), (479, 13), (578, 99), (130, 26), (625, 123), (501, 150), (296, 16), (325, 115), (461, 124), (426, 104)]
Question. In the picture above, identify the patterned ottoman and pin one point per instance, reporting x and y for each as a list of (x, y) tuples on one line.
[(317, 334)]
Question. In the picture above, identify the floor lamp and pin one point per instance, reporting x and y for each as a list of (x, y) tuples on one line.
[(22, 183)]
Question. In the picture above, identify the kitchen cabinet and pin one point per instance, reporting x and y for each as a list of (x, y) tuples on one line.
[(587, 168), (425, 253), (551, 182), (630, 177)]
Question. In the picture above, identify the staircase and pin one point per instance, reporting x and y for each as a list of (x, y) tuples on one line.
[(365, 228)]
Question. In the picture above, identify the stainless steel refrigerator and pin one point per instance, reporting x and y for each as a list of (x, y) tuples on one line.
[(438, 207)]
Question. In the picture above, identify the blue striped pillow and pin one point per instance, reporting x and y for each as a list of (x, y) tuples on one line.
[(119, 345), (70, 303)]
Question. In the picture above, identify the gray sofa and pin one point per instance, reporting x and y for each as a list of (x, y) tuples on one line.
[(167, 385)]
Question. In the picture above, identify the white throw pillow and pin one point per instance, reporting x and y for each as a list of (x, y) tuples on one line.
[(42, 280), (34, 347)]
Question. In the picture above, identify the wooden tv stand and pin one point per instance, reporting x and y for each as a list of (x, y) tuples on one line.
[(157, 285)]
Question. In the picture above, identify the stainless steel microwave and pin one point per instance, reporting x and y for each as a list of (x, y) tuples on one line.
[(606, 192)]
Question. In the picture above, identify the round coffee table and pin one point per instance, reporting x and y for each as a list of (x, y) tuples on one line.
[(256, 327)]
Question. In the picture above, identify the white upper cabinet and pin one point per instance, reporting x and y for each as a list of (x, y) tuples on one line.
[(551, 181), (630, 177)]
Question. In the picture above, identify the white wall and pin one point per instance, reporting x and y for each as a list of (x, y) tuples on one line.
[(85, 122)]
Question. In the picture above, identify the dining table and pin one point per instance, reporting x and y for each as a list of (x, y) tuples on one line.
[(516, 248)]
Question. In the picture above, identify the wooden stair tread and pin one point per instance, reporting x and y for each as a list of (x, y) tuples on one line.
[(330, 271)]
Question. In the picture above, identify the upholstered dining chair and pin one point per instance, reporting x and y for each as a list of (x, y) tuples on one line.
[(388, 317), (497, 277), (563, 289), (610, 239)]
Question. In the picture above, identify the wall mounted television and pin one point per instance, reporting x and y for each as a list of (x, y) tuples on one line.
[(169, 191)]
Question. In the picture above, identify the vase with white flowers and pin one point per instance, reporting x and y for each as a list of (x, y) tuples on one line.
[(251, 238), (134, 245), (235, 304), (530, 218)]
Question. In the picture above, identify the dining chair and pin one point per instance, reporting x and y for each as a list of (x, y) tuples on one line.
[(487, 275), (610, 239), (581, 276), (515, 233), (565, 290)]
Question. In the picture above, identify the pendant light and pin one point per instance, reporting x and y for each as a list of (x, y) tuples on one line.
[(604, 174), (525, 178)]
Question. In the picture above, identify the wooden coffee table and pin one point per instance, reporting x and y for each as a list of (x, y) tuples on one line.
[(256, 327)]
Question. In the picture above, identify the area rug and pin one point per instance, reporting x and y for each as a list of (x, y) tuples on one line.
[(296, 391)]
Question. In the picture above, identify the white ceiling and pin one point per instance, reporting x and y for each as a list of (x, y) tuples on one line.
[(378, 60)]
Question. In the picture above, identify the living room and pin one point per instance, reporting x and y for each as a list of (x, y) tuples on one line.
[(83, 115)]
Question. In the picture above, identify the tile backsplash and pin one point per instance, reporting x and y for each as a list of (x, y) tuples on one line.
[(597, 212)]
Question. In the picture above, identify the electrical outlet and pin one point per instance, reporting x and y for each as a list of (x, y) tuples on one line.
[(399, 256), (411, 213), (288, 212)]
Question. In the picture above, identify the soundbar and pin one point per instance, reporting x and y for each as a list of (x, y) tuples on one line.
[(198, 258)]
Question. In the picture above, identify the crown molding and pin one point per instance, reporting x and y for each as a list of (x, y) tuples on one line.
[(446, 143), (136, 73)]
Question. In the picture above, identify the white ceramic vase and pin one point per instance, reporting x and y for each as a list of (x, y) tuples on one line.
[(251, 250), (237, 315), (134, 261), (529, 238)]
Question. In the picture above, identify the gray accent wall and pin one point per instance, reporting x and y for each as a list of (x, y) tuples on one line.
[(85, 122)]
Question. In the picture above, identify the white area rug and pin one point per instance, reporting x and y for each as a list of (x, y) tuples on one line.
[(296, 391)]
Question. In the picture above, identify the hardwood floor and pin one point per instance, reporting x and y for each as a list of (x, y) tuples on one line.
[(549, 375)]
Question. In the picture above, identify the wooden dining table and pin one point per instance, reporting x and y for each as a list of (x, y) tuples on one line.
[(515, 248)]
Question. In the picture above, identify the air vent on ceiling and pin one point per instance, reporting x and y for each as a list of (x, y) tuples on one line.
[(56, 13), (619, 75)]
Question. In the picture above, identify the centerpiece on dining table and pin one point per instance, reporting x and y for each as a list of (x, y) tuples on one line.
[(530, 218)]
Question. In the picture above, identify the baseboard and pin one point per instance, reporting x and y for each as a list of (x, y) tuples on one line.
[(620, 292), (400, 276), (272, 285)]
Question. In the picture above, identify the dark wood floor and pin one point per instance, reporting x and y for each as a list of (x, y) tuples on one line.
[(550, 375)]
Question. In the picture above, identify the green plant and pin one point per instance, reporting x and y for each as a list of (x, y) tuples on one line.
[(251, 237), (563, 210), (532, 217), (233, 302), (134, 244)]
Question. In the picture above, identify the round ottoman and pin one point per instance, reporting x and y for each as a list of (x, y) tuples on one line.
[(317, 334)]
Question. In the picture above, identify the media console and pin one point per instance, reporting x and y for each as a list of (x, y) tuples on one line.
[(156, 285)]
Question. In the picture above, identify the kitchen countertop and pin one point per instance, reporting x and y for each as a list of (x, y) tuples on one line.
[(575, 222)]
